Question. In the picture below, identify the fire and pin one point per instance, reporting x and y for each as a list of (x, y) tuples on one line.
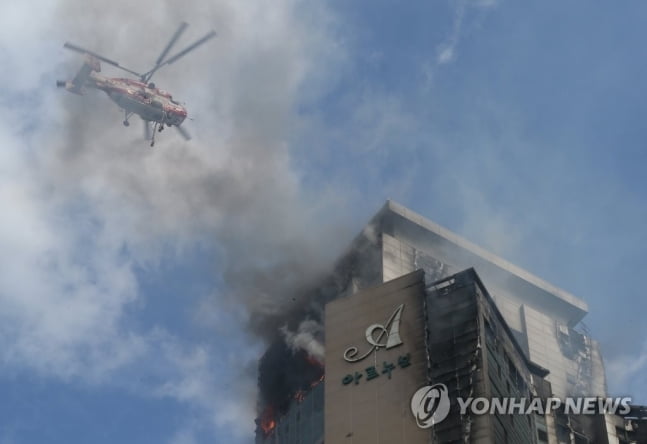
[(312, 372), (267, 421), (316, 382), (300, 395)]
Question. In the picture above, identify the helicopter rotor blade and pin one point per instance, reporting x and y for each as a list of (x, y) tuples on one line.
[(183, 132), (147, 76), (170, 44), (190, 48), (76, 48)]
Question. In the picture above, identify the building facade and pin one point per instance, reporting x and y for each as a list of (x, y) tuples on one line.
[(545, 320), (386, 343), (539, 323), (403, 358)]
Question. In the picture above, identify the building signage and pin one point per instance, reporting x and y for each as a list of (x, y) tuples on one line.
[(378, 336), (372, 372), (375, 337)]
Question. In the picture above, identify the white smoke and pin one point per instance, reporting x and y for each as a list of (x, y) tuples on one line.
[(306, 339), (87, 203)]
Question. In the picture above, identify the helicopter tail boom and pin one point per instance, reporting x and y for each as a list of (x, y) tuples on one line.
[(80, 79)]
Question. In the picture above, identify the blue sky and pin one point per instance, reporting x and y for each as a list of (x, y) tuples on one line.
[(130, 276)]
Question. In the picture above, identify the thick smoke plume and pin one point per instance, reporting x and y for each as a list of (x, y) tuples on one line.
[(101, 204), (293, 363)]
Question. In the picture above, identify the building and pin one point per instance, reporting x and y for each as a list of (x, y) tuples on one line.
[(545, 320), (404, 356), (547, 349), (448, 333), (302, 424)]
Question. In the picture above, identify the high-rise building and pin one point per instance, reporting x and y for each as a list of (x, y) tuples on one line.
[(417, 362), (543, 348), (448, 338), (545, 320)]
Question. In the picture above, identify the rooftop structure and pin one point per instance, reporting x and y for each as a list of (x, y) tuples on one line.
[(545, 320)]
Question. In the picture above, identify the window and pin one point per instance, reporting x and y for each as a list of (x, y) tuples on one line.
[(542, 436)]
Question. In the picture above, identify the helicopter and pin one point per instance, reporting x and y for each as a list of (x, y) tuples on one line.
[(136, 96)]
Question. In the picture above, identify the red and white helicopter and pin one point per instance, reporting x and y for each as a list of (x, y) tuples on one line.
[(141, 96)]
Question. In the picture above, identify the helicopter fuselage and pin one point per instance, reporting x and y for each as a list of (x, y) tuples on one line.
[(140, 96), (150, 103)]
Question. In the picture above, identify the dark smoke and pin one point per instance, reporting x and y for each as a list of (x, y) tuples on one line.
[(278, 388), (232, 189), (294, 358)]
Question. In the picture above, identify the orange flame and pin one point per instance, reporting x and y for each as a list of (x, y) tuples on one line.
[(300, 395), (316, 382), (267, 422)]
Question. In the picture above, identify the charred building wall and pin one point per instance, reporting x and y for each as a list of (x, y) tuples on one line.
[(545, 320), (302, 423), (603, 428), (474, 353), (290, 368)]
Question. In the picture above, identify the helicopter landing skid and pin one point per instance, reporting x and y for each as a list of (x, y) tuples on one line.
[(157, 128), (126, 117)]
